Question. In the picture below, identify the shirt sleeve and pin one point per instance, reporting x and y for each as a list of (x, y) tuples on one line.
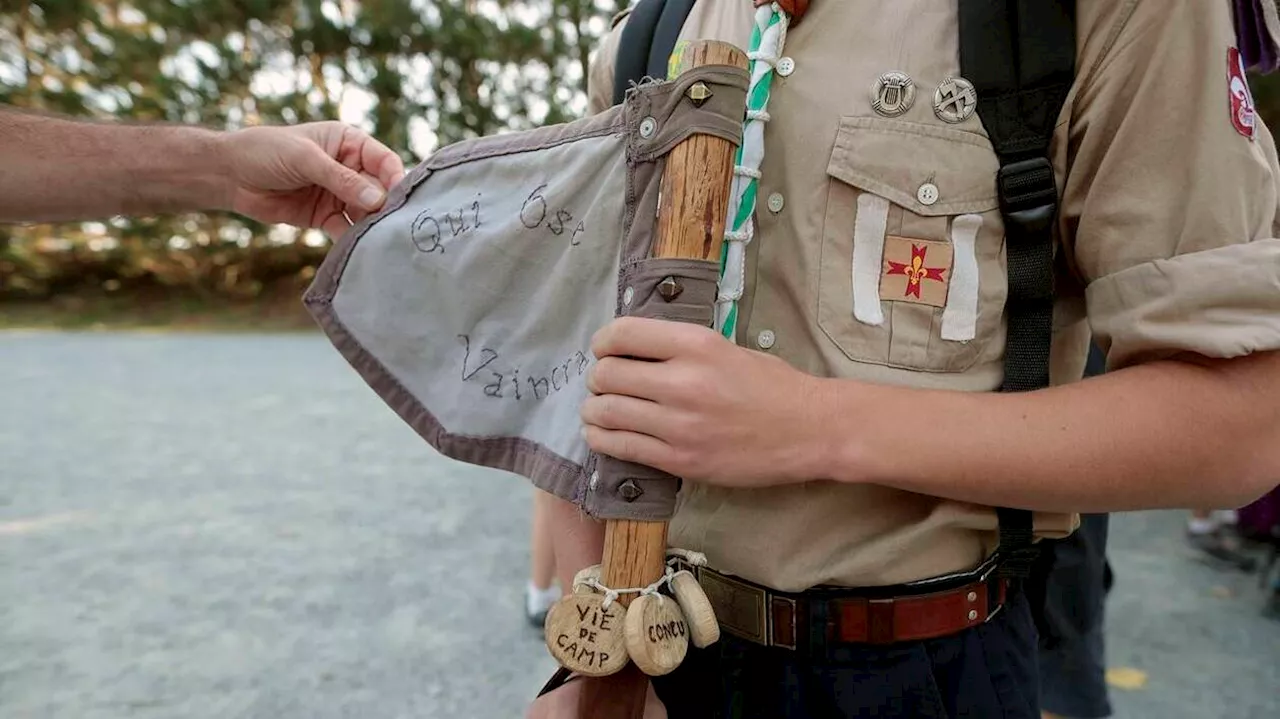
[(1169, 209), (600, 77)]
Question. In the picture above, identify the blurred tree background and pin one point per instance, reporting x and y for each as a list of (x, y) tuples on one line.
[(415, 73)]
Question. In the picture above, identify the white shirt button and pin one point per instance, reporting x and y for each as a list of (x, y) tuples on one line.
[(766, 339), (927, 194), (776, 203), (786, 66)]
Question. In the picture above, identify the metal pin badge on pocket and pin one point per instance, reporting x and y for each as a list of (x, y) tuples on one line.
[(892, 94)]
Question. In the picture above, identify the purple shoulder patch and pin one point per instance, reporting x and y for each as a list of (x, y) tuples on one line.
[(1257, 44)]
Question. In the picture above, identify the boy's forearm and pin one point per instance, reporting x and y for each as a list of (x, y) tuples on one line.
[(56, 169), (1168, 434)]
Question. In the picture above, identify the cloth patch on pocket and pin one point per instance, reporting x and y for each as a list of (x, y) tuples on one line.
[(868, 258), (915, 271), (960, 319)]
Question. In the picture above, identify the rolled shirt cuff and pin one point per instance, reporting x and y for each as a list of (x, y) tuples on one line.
[(1219, 303)]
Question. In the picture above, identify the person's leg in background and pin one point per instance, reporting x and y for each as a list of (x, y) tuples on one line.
[(541, 591), (1211, 532), (1258, 525)]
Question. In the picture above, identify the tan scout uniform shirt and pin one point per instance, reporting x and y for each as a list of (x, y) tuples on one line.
[(1166, 218)]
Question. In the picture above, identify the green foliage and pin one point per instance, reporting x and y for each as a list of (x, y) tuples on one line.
[(415, 73)]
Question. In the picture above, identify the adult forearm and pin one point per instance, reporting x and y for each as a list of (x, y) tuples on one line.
[(1168, 434), (54, 169)]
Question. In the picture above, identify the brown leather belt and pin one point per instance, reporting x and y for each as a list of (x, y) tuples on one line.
[(885, 616)]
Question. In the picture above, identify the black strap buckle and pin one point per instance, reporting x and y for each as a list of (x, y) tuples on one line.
[(1018, 562), (1029, 203), (1028, 197), (1018, 552)]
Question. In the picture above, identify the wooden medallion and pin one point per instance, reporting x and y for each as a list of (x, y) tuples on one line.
[(583, 575), (586, 638), (704, 630), (657, 634)]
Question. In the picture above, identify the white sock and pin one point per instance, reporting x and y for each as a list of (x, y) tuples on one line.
[(540, 600), (1196, 525), (1226, 516)]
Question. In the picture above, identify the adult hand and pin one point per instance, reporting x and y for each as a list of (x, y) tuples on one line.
[(309, 175), (685, 400)]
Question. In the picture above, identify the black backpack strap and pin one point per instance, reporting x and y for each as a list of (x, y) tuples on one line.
[(1020, 56), (647, 41)]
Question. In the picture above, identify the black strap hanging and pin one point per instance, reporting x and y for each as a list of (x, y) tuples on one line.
[(647, 41), (1020, 56)]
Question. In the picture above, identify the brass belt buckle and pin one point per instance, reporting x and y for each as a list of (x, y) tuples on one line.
[(741, 608)]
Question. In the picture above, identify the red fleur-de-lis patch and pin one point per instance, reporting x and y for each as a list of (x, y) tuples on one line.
[(917, 271)]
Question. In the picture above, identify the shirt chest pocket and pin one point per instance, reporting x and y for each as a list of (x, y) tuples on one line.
[(913, 271)]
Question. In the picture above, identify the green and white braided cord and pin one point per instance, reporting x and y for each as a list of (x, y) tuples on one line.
[(767, 40)]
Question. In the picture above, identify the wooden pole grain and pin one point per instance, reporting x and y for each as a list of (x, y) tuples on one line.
[(692, 213)]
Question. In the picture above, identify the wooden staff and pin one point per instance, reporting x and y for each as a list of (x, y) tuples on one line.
[(692, 213)]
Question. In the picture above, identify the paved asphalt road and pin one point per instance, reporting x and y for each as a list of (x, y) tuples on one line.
[(234, 526)]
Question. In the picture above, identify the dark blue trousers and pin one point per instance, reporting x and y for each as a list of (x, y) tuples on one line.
[(986, 672), (1069, 585)]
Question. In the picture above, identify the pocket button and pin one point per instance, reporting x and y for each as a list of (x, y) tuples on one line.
[(927, 194), (766, 339)]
